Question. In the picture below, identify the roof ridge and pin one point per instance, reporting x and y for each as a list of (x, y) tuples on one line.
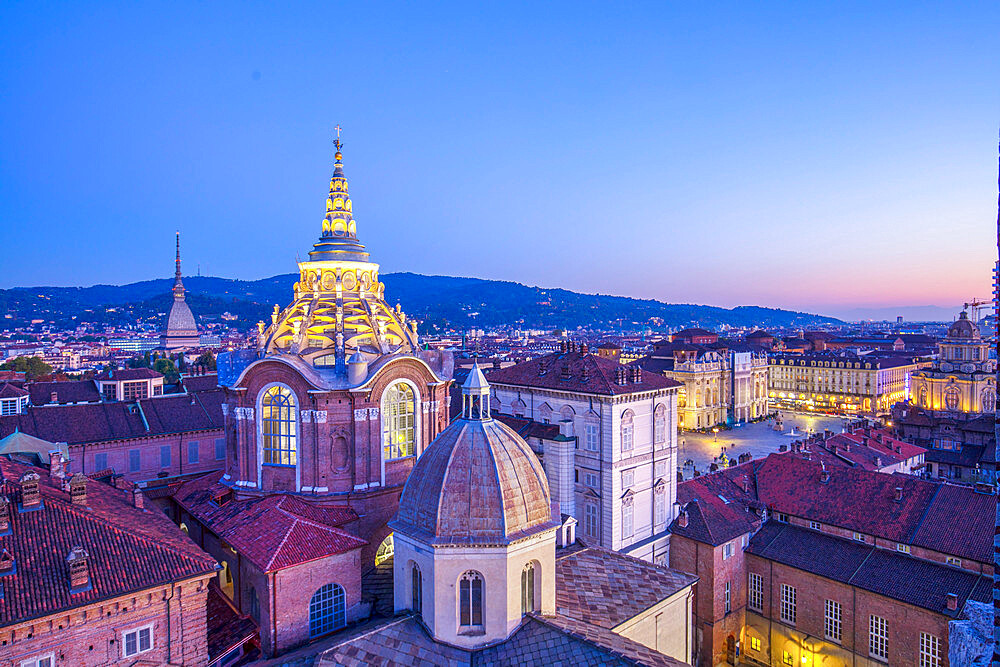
[(446, 474), (277, 549), (496, 476)]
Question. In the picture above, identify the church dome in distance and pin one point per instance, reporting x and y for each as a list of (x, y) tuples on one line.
[(478, 483), (963, 327)]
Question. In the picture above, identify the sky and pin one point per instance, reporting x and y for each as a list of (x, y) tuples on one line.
[(816, 156)]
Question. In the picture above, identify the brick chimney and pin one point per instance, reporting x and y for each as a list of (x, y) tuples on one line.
[(565, 372), (878, 461), (4, 516), (6, 562), (79, 574), (682, 517), (137, 498), (78, 489), (951, 602), (898, 494), (824, 476), (31, 496), (57, 465), (585, 374)]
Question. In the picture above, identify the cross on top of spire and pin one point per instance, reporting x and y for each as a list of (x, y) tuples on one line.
[(336, 142)]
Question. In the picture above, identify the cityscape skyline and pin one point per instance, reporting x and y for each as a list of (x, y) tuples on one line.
[(726, 170)]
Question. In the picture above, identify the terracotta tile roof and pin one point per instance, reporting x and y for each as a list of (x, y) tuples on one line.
[(528, 428), (274, 531), (227, 627), (102, 422), (8, 390), (67, 391), (616, 649), (399, 642), (196, 383), (853, 499), (129, 549), (119, 374), (585, 373), (889, 573), (606, 588), (477, 483)]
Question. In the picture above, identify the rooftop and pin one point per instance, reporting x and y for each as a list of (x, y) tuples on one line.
[(579, 372)]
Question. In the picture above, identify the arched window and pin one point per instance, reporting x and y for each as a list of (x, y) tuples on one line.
[(278, 426), (528, 588), (399, 432), (567, 414), (660, 424), (989, 399), (951, 398), (627, 431), (416, 590), (470, 600), (327, 610)]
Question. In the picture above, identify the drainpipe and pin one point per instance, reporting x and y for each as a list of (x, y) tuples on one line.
[(170, 642), (274, 614)]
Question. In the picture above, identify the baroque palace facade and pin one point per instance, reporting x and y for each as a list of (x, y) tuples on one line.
[(962, 382), (323, 423)]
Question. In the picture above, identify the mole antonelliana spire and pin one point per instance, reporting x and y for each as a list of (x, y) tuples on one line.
[(181, 331)]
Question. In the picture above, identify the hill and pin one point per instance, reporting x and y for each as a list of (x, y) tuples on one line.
[(438, 301)]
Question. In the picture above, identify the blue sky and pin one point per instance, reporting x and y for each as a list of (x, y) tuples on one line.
[(808, 155)]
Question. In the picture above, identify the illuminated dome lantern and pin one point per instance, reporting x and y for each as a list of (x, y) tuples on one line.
[(339, 301), (181, 330)]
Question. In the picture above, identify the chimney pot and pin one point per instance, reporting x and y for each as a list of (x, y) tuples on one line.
[(878, 461), (951, 601), (57, 467), (31, 496), (137, 497), (824, 476), (682, 519), (6, 562), (79, 574), (898, 494), (78, 489), (565, 371)]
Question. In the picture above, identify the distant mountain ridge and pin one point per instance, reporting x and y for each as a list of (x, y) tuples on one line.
[(438, 301)]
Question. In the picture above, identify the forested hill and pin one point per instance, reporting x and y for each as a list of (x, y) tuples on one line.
[(438, 301)]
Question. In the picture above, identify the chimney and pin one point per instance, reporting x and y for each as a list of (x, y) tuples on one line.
[(4, 516), (496, 364), (562, 346), (78, 489), (565, 372), (584, 348), (31, 497), (898, 494), (137, 499), (824, 476), (54, 397), (585, 374), (57, 465), (79, 574), (682, 519), (6, 562), (878, 461), (951, 602)]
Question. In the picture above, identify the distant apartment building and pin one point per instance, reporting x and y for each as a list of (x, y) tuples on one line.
[(838, 383), (617, 472), (134, 344)]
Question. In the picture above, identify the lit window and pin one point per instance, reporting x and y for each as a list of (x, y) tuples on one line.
[(930, 650), (786, 658), (951, 560), (528, 588), (398, 421), (470, 593), (327, 610), (137, 641), (755, 593), (278, 425), (754, 643), (788, 604), (858, 537), (878, 638), (905, 548), (832, 621)]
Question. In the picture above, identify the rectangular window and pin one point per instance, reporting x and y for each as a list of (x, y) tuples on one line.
[(814, 525), (100, 461), (728, 599), (788, 604), (590, 520), (786, 658), (782, 518), (755, 643), (627, 438), (626, 521), (905, 548), (590, 479), (110, 392), (592, 442), (133, 391), (628, 478), (165, 456), (660, 504), (858, 536), (134, 460), (193, 451), (951, 560), (220, 449), (41, 661), (755, 593), (930, 650), (727, 550), (659, 469), (138, 641), (832, 621), (878, 638), (745, 541)]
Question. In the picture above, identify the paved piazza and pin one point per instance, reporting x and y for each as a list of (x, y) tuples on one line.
[(758, 439)]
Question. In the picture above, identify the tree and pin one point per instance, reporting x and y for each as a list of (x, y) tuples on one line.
[(206, 359), (32, 367), (167, 369)]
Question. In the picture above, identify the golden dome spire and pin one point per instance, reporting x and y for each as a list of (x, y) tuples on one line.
[(339, 237)]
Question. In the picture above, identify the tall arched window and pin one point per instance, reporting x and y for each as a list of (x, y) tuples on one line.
[(660, 424), (528, 588), (278, 426), (399, 433), (470, 600), (416, 589), (627, 431), (327, 610), (951, 398), (989, 399)]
